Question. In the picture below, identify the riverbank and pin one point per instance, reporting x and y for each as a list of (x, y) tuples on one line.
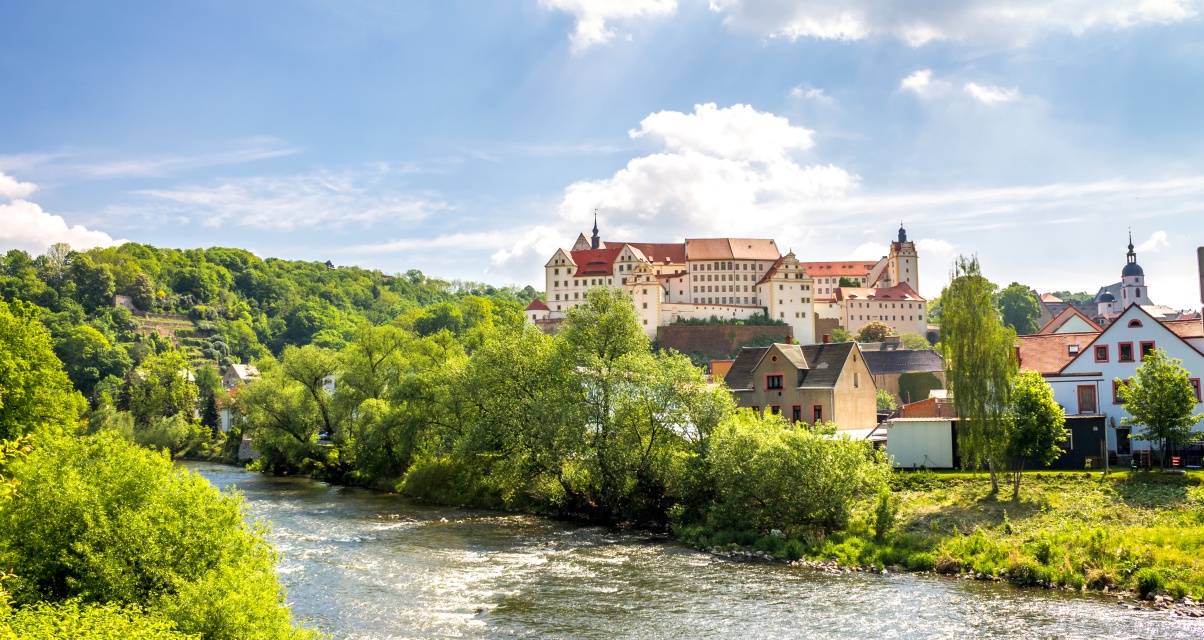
[(1141, 533)]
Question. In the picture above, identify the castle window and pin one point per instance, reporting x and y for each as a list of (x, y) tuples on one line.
[(555, 272)]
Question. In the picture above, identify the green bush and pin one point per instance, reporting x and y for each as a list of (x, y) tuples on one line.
[(103, 521), (1027, 573), (921, 561), (71, 620), (795, 550), (1149, 580)]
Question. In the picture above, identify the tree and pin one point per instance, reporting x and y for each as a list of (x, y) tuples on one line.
[(1037, 425), (886, 401), (88, 357), (1020, 309), (979, 365), (93, 283), (161, 387), (142, 292), (1160, 398), (101, 521), (849, 282), (914, 341), (839, 334), (444, 316), (209, 414), (875, 331), (36, 395)]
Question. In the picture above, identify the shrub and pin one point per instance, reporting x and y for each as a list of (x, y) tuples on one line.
[(1027, 573), (921, 561), (71, 620), (1149, 580), (885, 513), (795, 550)]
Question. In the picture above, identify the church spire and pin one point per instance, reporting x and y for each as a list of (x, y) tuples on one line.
[(595, 242)]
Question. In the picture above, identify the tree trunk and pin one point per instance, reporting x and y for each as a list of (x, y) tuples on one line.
[(1019, 469), (994, 478)]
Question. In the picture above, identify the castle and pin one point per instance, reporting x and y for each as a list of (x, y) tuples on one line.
[(736, 278)]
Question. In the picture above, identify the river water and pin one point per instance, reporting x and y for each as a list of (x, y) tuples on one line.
[(361, 564)]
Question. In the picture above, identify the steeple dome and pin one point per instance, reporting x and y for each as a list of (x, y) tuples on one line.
[(1131, 267), (902, 233)]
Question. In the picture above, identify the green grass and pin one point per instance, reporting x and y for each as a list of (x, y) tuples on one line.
[(1142, 532)]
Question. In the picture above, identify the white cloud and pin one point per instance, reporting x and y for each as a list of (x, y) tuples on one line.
[(934, 247), (320, 199), (869, 251), (24, 225), (594, 17), (1156, 242), (917, 22), (810, 93), (11, 189), (988, 94), (924, 85), (724, 171)]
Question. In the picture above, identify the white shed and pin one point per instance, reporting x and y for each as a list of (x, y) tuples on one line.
[(920, 442)]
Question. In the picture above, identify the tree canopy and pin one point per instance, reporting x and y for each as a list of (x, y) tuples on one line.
[(1160, 399), (36, 396), (1020, 309)]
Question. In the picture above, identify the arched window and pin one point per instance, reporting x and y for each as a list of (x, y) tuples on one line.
[(1134, 324), (1138, 293)]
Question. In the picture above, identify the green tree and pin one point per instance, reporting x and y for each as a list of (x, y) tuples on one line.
[(1037, 425), (93, 283), (914, 341), (88, 357), (36, 396), (839, 334), (444, 316), (979, 366), (886, 401), (849, 282), (1020, 309), (161, 387), (1160, 398), (142, 292), (99, 520), (875, 331)]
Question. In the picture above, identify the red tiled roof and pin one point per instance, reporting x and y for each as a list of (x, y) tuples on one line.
[(1049, 297), (837, 269), (596, 262), (731, 249), (901, 291), (537, 305), (771, 270), (659, 252), (1049, 353), (1185, 328), (1064, 317)]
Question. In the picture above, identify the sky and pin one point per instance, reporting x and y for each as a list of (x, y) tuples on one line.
[(471, 139)]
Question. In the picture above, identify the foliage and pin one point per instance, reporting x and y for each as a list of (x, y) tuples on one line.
[(917, 385), (755, 320), (71, 620), (875, 331), (36, 395), (88, 357), (174, 434), (1082, 296), (1037, 425), (839, 334), (849, 282), (102, 521), (1160, 398), (886, 401), (161, 387), (769, 474), (1020, 309), (914, 341), (979, 365)]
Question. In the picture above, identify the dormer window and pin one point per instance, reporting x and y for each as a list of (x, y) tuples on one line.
[(1073, 349)]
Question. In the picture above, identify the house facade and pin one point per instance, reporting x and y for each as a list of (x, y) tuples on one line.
[(806, 383)]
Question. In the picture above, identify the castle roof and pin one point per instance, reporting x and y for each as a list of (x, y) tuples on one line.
[(901, 291), (537, 305), (731, 249)]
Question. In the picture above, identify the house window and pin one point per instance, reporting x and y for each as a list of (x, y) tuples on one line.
[(856, 380), (796, 413), (1123, 446), (1124, 352), (1146, 349), (1073, 349), (775, 409), (1087, 398), (1101, 353), (1135, 323), (1116, 390), (756, 408), (817, 413), (1195, 385), (773, 381), (645, 305)]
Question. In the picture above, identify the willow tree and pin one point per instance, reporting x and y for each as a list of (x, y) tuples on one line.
[(979, 366)]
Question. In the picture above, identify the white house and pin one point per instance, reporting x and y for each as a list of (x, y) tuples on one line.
[(1086, 385)]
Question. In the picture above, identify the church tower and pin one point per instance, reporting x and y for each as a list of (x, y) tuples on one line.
[(1132, 281), (903, 263)]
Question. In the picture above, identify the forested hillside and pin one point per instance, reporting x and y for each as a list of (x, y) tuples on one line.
[(223, 305)]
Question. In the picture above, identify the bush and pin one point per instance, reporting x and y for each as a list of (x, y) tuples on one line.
[(795, 550), (885, 513), (1149, 580), (71, 620), (1027, 573), (921, 561), (103, 521)]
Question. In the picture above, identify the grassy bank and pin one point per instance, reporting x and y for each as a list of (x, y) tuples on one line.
[(1140, 532)]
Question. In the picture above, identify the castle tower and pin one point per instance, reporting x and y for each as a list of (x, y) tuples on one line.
[(595, 241), (1132, 281), (903, 263)]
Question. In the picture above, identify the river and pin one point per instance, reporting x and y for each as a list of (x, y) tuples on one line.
[(361, 564)]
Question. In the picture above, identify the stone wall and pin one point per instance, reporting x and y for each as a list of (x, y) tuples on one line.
[(717, 342)]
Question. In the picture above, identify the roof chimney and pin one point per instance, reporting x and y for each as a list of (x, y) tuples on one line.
[(827, 338)]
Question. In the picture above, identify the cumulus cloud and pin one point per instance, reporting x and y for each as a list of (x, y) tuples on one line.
[(1011, 22), (988, 94), (869, 251), (923, 84), (810, 93), (717, 171), (11, 188), (312, 200), (1156, 242), (24, 225), (595, 18)]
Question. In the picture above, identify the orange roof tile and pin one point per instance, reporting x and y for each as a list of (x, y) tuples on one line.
[(1049, 297), (1185, 328), (1049, 353), (837, 269), (537, 305), (596, 262), (731, 249), (901, 291)]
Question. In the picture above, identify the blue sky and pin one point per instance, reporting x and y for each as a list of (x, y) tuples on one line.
[(469, 139)]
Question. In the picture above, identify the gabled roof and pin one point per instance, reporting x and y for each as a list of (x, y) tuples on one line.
[(596, 262), (244, 372), (826, 363), (739, 376), (820, 365), (1148, 321), (901, 291), (851, 268), (674, 253), (1062, 318), (903, 361), (1049, 297), (1185, 328), (537, 305), (1049, 353), (731, 249)]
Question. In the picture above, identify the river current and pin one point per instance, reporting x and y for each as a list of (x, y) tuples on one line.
[(360, 564)]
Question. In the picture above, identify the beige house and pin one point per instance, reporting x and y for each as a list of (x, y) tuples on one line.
[(238, 374), (807, 383)]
